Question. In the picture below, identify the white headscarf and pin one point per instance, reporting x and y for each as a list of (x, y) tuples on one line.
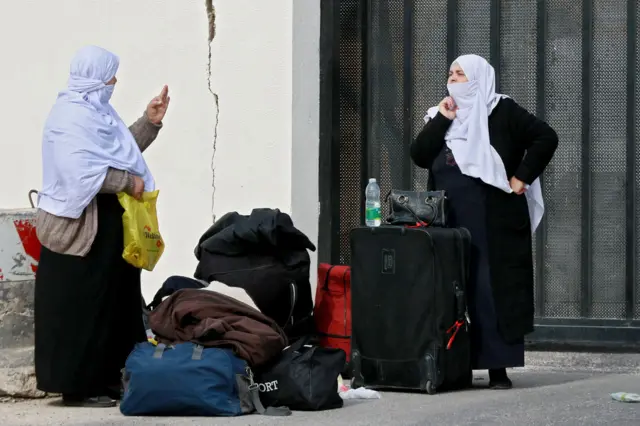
[(84, 136), (468, 136)]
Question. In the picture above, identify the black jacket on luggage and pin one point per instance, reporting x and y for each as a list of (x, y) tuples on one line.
[(266, 255)]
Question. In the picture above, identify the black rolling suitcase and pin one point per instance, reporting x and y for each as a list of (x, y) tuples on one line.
[(409, 312)]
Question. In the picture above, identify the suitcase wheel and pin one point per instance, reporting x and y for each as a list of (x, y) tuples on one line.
[(431, 389)]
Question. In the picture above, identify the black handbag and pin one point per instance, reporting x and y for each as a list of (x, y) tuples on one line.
[(423, 207), (304, 378)]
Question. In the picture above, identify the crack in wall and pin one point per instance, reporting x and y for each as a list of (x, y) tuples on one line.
[(211, 18)]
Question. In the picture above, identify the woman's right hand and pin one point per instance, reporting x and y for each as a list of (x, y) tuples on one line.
[(138, 187), (448, 107)]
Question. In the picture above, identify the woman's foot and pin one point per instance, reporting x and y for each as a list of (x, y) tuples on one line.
[(88, 402), (498, 379)]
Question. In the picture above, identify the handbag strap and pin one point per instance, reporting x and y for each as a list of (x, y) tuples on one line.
[(254, 394), (420, 221), (415, 215), (260, 409), (408, 208)]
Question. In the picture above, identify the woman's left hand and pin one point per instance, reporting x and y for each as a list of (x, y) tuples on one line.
[(517, 185), (157, 108)]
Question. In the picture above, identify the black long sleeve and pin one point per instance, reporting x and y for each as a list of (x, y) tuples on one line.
[(426, 147), (539, 139)]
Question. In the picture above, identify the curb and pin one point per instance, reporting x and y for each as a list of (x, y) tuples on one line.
[(19, 256), (613, 363)]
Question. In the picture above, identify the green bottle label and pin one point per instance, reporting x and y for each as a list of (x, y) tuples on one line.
[(372, 213)]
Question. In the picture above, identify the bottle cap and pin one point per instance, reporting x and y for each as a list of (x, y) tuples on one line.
[(371, 180)]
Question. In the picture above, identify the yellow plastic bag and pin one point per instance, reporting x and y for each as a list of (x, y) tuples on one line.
[(143, 244)]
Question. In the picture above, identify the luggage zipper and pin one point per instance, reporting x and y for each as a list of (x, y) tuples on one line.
[(462, 317), (344, 295), (294, 299)]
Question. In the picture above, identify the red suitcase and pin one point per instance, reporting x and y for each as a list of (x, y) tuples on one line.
[(332, 311)]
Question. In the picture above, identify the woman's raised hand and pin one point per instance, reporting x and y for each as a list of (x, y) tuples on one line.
[(158, 106), (448, 107)]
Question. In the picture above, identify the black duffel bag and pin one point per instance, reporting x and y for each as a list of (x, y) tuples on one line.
[(303, 378)]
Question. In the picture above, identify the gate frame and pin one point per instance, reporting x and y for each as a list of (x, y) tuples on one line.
[(550, 333)]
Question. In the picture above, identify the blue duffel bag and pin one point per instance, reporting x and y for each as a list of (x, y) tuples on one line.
[(189, 380)]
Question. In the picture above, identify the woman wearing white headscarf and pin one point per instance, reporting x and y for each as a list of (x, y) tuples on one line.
[(88, 311), (487, 152)]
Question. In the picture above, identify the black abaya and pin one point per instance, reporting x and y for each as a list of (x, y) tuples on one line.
[(467, 202), (525, 146), (87, 312)]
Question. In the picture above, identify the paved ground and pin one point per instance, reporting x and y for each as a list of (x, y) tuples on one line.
[(540, 397)]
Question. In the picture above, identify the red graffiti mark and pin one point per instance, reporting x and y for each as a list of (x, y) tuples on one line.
[(30, 243), (1, 275)]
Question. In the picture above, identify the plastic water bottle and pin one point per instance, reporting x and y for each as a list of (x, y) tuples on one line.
[(372, 204)]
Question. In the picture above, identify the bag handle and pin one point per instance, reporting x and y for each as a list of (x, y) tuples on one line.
[(196, 355), (260, 409), (406, 206), (325, 287), (414, 214), (254, 393), (31, 193)]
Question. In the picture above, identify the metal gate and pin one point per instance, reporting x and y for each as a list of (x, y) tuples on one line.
[(572, 62)]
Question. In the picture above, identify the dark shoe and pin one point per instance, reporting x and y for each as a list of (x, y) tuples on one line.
[(92, 402), (504, 384), (498, 379)]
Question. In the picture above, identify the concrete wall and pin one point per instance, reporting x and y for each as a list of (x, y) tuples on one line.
[(264, 69), (19, 256)]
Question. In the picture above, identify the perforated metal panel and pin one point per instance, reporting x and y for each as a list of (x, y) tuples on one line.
[(637, 180), (405, 64), (563, 203), (474, 27), (608, 159), (429, 67), (389, 151), (350, 125), (518, 60), (518, 51)]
